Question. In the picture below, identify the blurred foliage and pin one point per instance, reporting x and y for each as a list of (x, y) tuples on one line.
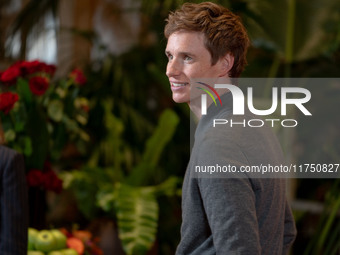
[(326, 242), (49, 113), (119, 189)]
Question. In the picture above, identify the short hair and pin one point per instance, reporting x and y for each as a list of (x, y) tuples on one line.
[(223, 31)]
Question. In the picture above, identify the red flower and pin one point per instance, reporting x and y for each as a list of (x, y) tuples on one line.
[(46, 179), (52, 182), (32, 67), (10, 76), (50, 69), (35, 178), (78, 77), (38, 85), (7, 101)]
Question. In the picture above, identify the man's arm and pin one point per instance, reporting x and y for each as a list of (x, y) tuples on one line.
[(246, 215), (14, 204), (228, 198), (290, 233), (230, 208)]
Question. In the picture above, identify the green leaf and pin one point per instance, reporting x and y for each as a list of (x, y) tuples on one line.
[(84, 188), (105, 198), (10, 135), (161, 136), (325, 240), (67, 178), (91, 184), (24, 90), (112, 148), (27, 145), (295, 29), (144, 171), (55, 110), (71, 125), (19, 126), (36, 129), (137, 215), (169, 187)]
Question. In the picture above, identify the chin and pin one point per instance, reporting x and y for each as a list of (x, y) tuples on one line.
[(180, 100)]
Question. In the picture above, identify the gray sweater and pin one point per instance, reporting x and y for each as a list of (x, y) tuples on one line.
[(234, 213)]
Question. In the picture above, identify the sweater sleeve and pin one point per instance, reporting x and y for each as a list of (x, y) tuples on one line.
[(229, 200), (290, 233), (245, 213), (229, 204)]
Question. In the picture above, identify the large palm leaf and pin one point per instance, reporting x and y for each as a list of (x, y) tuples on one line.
[(295, 29), (137, 215)]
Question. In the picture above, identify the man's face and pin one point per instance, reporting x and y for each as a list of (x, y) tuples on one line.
[(187, 59)]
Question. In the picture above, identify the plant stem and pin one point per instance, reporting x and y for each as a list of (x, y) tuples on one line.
[(290, 36)]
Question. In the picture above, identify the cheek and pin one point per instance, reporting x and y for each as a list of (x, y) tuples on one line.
[(214, 71), (205, 72), (196, 71)]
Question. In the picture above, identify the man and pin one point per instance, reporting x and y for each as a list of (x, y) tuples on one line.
[(231, 214), (13, 202)]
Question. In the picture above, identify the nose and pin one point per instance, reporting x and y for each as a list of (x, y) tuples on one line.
[(172, 69)]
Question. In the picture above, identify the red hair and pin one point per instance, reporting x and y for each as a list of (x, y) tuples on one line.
[(223, 31)]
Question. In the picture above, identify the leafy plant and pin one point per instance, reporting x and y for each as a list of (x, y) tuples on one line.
[(123, 191), (328, 230), (40, 115), (137, 216)]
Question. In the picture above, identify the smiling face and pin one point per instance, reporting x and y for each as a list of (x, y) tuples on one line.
[(188, 58)]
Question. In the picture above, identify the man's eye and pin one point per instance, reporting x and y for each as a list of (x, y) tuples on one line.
[(187, 58), (169, 56)]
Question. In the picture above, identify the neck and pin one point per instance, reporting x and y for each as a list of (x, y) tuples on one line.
[(195, 105), (196, 109)]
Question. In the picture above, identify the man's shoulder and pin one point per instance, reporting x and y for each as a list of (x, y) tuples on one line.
[(6, 151), (7, 155)]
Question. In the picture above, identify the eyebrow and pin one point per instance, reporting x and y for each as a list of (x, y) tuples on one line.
[(181, 53)]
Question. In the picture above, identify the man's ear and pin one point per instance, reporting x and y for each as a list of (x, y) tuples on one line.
[(227, 62)]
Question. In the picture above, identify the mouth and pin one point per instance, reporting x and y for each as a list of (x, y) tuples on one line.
[(178, 85)]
